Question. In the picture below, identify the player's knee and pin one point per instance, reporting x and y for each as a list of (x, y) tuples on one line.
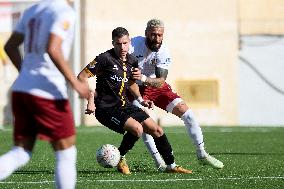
[(180, 109), (189, 117), (159, 131), (155, 131), (137, 131)]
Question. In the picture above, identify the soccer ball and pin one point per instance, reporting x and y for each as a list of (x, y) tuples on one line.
[(108, 156)]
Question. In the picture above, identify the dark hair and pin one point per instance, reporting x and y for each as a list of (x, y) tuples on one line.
[(119, 32)]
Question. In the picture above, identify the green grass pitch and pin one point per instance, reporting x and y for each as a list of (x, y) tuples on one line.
[(253, 158)]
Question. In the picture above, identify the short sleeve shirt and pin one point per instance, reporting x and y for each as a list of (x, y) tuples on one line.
[(36, 24), (148, 60), (112, 78)]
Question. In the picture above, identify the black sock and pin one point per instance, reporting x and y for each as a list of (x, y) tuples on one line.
[(165, 149), (127, 143)]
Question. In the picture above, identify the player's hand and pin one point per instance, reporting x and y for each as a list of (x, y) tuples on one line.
[(136, 74), (91, 107), (147, 103)]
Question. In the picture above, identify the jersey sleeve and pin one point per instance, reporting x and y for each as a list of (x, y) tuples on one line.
[(63, 23), (96, 66), (164, 59), (136, 44)]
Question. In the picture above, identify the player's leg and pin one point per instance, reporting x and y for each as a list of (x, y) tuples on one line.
[(171, 102), (65, 168), (182, 110), (120, 120), (134, 131), (55, 123), (150, 144), (24, 138), (163, 145), (16, 158)]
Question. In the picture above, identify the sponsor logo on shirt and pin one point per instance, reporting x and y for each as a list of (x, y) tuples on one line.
[(119, 79)]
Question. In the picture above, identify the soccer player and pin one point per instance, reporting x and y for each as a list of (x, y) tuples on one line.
[(39, 95), (113, 73), (154, 60)]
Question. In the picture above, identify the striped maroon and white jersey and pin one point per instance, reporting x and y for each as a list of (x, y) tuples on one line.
[(148, 60), (39, 76)]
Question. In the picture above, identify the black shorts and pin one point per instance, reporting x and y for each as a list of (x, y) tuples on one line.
[(115, 117)]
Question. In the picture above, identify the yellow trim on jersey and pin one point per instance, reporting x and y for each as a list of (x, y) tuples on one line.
[(2, 52), (88, 71), (122, 84)]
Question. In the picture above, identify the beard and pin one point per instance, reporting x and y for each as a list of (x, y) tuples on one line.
[(152, 45)]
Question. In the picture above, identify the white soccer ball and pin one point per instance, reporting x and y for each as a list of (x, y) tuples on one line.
[(108, 156)]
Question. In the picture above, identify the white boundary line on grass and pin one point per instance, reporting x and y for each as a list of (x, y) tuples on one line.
[(149, 180)]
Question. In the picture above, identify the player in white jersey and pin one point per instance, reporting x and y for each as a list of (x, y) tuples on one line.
[(39, 95), (154, 60)]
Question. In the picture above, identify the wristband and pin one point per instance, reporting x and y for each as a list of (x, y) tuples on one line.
[(143, 78), (140, 99)]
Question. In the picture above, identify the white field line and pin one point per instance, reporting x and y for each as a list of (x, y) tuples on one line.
[(237, 129), (151, 180)]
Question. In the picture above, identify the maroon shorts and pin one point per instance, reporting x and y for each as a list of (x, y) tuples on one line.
[(161, 97), (35, 116)]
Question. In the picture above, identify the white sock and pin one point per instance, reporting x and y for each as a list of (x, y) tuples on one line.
[(152, 149), (171, 166), (65, 173), (195, 133), (13, 160)]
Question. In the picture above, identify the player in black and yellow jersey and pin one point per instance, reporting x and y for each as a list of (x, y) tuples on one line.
[(112, 108)]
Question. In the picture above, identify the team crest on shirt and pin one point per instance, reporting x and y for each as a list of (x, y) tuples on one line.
[(92, 64), (66, 25)]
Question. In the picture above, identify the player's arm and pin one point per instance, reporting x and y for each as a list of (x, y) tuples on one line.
[(83, 76), (134, 89), (12, 48), (56, 55), (161, 76)]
